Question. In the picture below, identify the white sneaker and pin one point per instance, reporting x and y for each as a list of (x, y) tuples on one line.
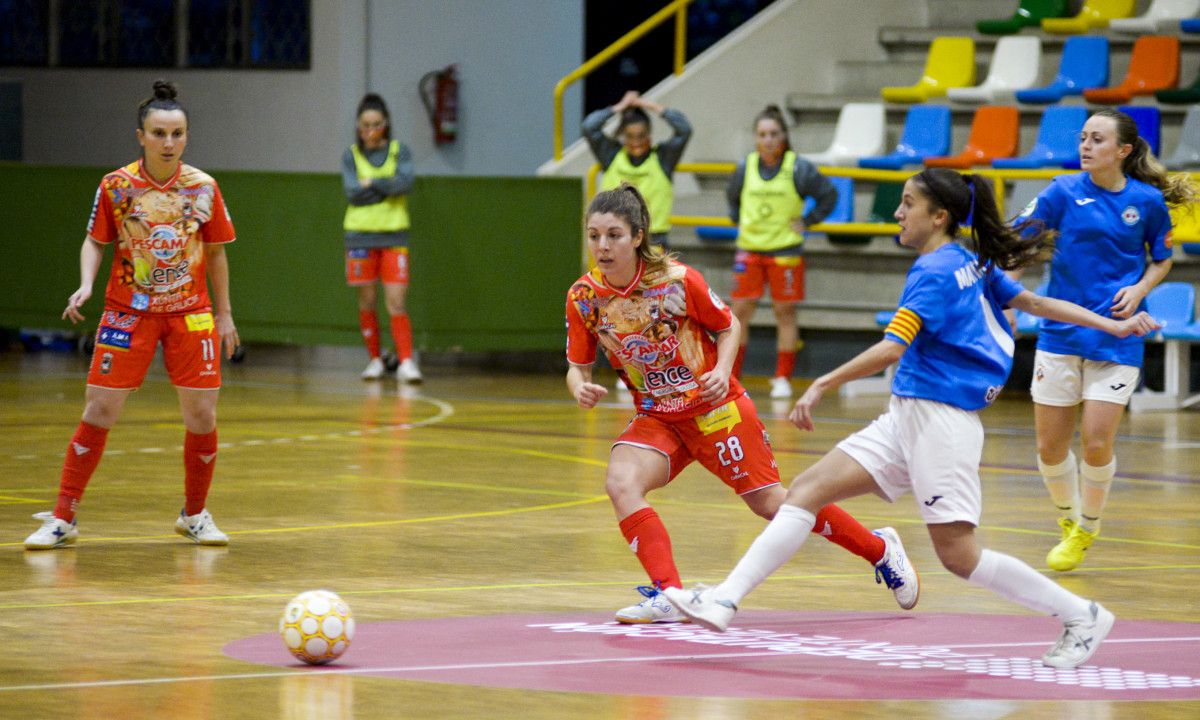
[(54, 533), (374, 369), (200, 528), (701, 606), (408, 371), (781, 387), (654, 609), (894, 570), (1080, 639)]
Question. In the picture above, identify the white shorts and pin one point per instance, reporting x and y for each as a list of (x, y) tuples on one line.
[(930, 448), (1067, 380)]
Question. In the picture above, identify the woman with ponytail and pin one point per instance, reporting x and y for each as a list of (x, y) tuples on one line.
[(1106, 217), (377, 176), (955, 352), (766, 200), (674, 342), (168, 226)]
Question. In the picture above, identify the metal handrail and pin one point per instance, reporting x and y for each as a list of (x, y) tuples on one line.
[(678, 8)]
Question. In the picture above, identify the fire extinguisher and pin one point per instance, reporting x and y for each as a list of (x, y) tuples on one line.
[(439, 94)]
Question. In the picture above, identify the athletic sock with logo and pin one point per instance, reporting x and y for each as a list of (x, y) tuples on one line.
[(368, 324), (839, 527), (1009, 577), (780, 540), (1062, 480), (1096, 484), (83, 455), (648, 539), (199, 460)]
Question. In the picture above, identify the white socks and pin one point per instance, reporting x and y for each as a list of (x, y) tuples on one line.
[(1009, 577), (1062, 481), (1096, 483), (771, 549)]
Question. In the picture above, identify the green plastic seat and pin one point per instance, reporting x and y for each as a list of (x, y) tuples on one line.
[(1029, 14), (1181, 96), (883, 209)]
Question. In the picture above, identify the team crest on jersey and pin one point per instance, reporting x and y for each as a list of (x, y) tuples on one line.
[(1029, 208), (993, 392), (1130, 216)]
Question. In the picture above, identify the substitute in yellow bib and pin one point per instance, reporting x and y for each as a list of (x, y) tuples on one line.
[(766, 199), (630, 157), (377, 176)]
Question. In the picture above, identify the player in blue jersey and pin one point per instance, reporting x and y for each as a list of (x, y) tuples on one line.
[(955, 352), (1108, 218)]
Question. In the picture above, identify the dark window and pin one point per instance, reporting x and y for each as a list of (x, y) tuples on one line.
[(23, 32), (249, 33)]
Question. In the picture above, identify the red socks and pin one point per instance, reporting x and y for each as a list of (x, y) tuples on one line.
[(839, 527), (737, 362), (368, 323), (83, 455), (199, 460), (402, 336), (648, 538), (785, 363)]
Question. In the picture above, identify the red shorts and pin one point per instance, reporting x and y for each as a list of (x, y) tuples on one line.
[(785, 273), (730, 441), (125, 345), (366, 265)]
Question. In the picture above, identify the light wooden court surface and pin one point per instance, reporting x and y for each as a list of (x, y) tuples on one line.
[(479, 494)]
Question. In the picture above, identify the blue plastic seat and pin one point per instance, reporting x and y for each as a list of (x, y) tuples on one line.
[(1149, 124), (1191, 25), (1173, 304), (1057, 140), (1030, 324), (1084, 65), (926, 134)]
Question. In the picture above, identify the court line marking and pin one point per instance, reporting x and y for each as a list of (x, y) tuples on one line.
[(477, 666)]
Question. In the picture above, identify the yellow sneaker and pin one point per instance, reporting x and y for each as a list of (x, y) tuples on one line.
[(1068, 554)]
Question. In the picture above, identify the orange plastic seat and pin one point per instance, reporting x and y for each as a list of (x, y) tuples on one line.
[(950, 63), (1095, 14), (1153, 66), (994, 134)]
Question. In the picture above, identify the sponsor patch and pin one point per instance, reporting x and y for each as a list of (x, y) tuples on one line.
[(120, 320), (140, 301), (114, 338), (724, 418), (198, 322)]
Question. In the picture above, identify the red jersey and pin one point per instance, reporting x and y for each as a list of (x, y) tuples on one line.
[(658, 331), (160, 233)]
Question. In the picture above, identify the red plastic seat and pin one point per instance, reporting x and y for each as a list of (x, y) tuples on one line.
[(994, 134), (1153, 66)]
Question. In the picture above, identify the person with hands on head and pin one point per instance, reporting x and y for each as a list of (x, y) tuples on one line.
[(955, 353), (675, 341), (766, 201), (631, 157), (169, 225), (1108, 218)]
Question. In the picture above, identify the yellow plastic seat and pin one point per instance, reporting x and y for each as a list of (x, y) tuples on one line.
[(1095, 14), (951, 63)]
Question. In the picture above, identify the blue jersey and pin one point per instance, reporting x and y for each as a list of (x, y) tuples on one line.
[(1103, 240), (951, 316)]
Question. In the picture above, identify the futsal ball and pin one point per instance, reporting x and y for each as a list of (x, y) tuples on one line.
[(317, 626)]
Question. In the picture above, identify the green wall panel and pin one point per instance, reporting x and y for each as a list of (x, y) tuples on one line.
[(491, 257)]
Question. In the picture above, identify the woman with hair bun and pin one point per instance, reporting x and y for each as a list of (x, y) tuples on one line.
[(1108, 218), (168, 225), (766, 200), (675, 341), (377, 176)]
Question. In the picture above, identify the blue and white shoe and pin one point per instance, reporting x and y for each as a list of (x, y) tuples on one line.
[(54, 533), (200, 528), (1080, 639), (701, 605), (654, 609), (895, 571)]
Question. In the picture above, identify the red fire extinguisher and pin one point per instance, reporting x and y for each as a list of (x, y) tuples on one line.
[(439, 94)]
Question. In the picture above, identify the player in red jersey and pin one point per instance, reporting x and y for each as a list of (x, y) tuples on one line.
[(168, 224), (674, 342)]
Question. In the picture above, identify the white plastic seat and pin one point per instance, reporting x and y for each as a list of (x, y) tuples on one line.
[(1015, 65), (1187, 152), (861, 132), (1160, 13)]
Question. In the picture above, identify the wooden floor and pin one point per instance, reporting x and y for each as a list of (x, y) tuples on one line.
[(476, 495)]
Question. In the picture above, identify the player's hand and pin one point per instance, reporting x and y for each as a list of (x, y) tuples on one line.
[(798, 226), (628, 100), (1141, 325), (1127, 300), (589, 394), (78, 298), (801, 415), (228, 333), (714, 385), (364, 182)]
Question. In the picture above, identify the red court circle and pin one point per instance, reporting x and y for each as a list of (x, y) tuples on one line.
[(771, 655)]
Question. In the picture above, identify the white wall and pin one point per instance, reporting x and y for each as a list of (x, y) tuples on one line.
[(510, 54)]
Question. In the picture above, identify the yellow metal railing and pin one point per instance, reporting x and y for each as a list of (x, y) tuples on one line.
[(678, 8)]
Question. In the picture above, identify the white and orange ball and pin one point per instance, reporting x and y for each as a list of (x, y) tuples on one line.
[(317, 626)]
